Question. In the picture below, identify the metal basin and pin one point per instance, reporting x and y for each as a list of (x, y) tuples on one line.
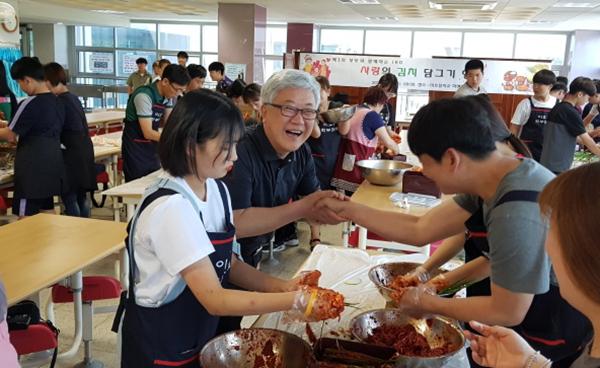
[(257, 348), (382, 275), (334, 116), (362, 327), (383, 172)]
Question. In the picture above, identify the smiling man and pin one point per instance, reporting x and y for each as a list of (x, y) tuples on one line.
[(274, 165), (145, 108)]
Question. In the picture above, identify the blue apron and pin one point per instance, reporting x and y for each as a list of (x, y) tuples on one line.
[(551, 325), (173, 334)]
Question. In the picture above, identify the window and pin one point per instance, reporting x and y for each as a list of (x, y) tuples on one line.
[(139, 36), (388, 42), (271, 66), (209, 58), (276, 40), (488, 44), (541, 46), (210, 38), (346, 41), (428, 44), (93, 36), (173, 59), (126, 61), (179, 37)]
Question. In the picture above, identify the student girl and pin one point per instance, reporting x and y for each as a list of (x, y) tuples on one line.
[(180, 246), (570, 202), (78, 154)]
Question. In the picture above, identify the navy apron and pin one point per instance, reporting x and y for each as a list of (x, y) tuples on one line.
[(533, 130), (173, 334), (140, 155), (551, 325)]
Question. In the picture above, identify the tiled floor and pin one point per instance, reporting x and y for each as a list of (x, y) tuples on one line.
[(104, 345)]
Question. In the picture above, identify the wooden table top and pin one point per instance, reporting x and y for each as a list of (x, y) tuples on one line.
[(101, 117), (41, 250), (134, 188)]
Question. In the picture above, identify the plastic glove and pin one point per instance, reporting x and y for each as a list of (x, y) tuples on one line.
[(498, 346), (594, 110), (439, 283), (420, 274), (409, 300), (305, 278), (313, 304)]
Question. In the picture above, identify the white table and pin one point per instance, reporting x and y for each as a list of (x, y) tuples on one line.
[(107, 148), (346, 271), (104, 118), (131, 193)]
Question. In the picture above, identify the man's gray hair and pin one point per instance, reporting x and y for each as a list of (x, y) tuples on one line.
[(290, 78)]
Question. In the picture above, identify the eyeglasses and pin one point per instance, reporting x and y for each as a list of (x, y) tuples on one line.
[(179, 90), (291, 111)]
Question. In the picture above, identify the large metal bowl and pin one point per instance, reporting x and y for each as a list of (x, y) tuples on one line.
[(382, 275), (334, 116), (257, 348), (383, 172), (362, 327)]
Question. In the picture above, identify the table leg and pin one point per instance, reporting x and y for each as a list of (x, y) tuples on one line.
[(362, 237), (76, 284)]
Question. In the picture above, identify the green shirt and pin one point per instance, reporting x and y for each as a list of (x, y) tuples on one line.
[(142, 100), (136, 80)]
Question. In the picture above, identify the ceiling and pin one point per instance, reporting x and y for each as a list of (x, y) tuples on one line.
[(507, 14)]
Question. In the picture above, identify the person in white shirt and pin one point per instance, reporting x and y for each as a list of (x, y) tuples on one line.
[(531, 114), (180, 245), (474, 76)]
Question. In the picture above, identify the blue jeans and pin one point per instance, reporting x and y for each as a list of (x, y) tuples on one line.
[(76, 204)]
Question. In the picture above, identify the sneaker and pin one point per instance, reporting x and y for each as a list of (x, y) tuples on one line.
[(276, 248)]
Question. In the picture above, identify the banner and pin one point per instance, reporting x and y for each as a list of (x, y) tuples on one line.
[(500, 76), (101, 62)]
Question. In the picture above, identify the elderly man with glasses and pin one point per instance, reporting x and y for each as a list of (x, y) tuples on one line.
[(146, 106), (274, 165)]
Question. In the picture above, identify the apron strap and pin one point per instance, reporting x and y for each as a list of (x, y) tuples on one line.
[(518, 195)]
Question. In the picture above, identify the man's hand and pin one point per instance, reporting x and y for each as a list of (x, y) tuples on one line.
[(3, 123), (322, 215), (595, 133), (340, 208)]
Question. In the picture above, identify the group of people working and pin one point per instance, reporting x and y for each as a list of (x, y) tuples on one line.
[(535, 283)]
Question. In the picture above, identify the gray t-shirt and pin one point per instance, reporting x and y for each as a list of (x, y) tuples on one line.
[(560, 135), (585, 360), (516, 231)]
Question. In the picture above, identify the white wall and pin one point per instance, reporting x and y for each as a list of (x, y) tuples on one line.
[(585, 60), (10, 39)]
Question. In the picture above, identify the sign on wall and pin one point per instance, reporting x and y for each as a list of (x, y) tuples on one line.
[(129, 65), (101, 62), (235, 71), (501, 76)]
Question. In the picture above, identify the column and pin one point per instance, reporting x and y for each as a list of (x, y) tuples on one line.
[(242, 36), (300, 37)]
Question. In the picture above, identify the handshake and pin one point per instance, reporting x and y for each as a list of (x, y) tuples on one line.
[(326, 207)]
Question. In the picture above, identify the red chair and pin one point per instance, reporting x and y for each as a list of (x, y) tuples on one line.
[(94, 288)]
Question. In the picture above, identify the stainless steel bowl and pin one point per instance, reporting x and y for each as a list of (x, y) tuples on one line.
[(382, 275), (362, 327), (383, 172), (334, 116), (257, 348)]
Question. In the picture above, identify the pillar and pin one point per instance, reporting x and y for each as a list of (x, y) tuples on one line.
[(300, 37), (242, 36)]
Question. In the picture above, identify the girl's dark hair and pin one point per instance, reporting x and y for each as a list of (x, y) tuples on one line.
[(198, 117), (559, 86), (375, 95), (498, 128), (389, 81), (55, 74), (571, 201), (236, 89), (5, 89), (251, 93), (456, 123), (323, 82)]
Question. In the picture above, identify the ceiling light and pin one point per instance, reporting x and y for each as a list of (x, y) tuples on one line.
[(575, 5), (462, 5), (359, 2), (107, 11)]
